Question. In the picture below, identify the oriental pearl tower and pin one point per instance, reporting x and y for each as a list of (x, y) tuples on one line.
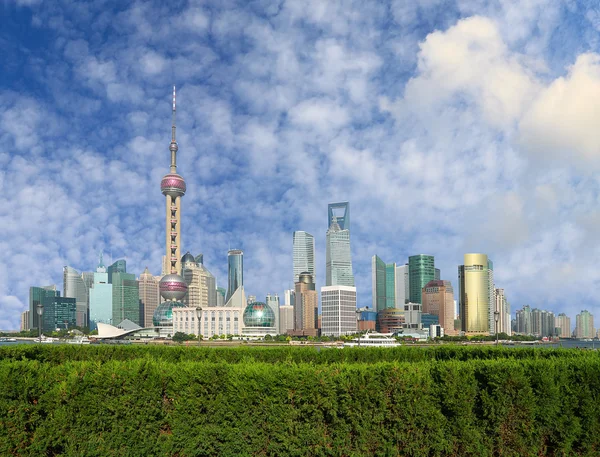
[(172, 286)]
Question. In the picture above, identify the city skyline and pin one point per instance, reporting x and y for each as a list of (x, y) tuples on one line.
[(279, 120)]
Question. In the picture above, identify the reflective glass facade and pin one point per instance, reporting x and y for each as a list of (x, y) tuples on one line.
[(421, 270), (126, 298), (74, 287), (235, 260), (338, 262), (59, 313), (163, 315), (304, 254), (259, 315), (36, 297), (378, 281)]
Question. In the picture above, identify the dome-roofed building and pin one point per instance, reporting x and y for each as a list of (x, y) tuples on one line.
[(163, 316), (187, 258), (259, 320)]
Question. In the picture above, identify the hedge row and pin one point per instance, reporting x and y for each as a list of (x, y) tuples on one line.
[(242, 354), (145, 407)]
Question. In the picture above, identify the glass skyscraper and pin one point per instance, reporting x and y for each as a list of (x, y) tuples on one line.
[(474, 297), (402, 286), (126, 298), (304, 254), (75, 287), (101, 296), (341, 211), (36, 297), (338, 262), (421, 270), (235, 261), (59, 313), (120, 266), (378, 277)]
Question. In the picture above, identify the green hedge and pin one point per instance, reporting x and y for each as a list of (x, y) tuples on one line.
[(154, 407), (243, 354)]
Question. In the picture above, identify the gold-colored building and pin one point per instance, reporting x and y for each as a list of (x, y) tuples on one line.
[(438, 299), (474, 279), (306, 306)]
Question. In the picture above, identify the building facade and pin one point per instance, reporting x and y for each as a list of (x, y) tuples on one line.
[(60, 313), (502, 307), (286, 319), (438, 299), (523, 321), (119, 266), (338, 262), (149, 297), (306, 306), (235, 270), (304, 254), (202, 285), (378, 283), (338, 310), (36, 297), (584, 325), (125, 298), (100, 299), (272, 301), (563, 325), (402, 283), (25, 321), (74, 287), (421, 270), (208, 322), (474, 294)]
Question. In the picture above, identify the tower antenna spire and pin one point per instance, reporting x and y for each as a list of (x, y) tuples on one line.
[(173, 147)]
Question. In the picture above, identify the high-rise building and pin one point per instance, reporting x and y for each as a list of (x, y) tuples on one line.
[(438, 299), (306, 306), (338, 262), (235, 272), (59, 313), (74, 287), (492, 297), (272, 301), (503, 308), (474, 294), (100, 298), (202, 285), (390, 285), (523, 323), (542, 323), (402, 286), (119, 266), (378, 282), (286, 319), (437, 274), (149, 297), (172, 286), (304, 254), (25, 321), (421, 270), (221, 292), (584, 325), (563, 324), (338, 310), (125, 298), (36, 297)]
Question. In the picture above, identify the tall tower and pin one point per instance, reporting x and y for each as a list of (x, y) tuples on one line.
[(304, 254), (172, 286), (235, 276)]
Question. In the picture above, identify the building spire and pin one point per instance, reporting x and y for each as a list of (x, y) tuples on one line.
[(173, 147)]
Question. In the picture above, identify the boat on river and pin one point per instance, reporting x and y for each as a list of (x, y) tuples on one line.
[(373, 340)]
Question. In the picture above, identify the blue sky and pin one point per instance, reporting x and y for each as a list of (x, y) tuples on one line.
[(451, 126)]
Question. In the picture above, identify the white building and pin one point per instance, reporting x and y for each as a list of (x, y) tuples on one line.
[(338, 310), (218, 320), (402, 286), (286, 319), (272, 301)]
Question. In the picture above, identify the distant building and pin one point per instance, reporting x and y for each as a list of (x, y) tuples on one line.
[(126, 298), (412, 315), (36, 297), (383, 280), (476, 294), (523, 323), (563, 324), (286, 319), (25, 321), (306, 306), (421, 270), (402, 283), (149, 297), (438, 299), (304, 254), (272, 301), (74, 287), (436, 331), (338, 261), (259, 320), (220, 320), (120, 266), (59, 313), (367, 319), (390, 320), (584, 325), (202, 286), (338, 305), (221, 292), (100, 298), (542, 323), (235, 261), (503, 308)]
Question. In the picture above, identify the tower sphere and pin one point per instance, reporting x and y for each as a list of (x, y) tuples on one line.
[(172, 287), (173, 185)]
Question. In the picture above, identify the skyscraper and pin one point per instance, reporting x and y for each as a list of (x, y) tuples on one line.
[(202, 287), (149, 297), (100, 298), (438, 299), (338, 266), (286, 312), (59, 313), (125, 298), (74, 287), (378, 283), (474, 294), (272, 301), (523, 321), (402, 286), (563, 324), (119, 266), (172, 286), (304, 254), (36, 297), (503, 309), (584, 325), (338, 310), (421, 270), (306, 306), (235, 276)]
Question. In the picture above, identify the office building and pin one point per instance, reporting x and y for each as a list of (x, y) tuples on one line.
[(391, 320), (119, 266), (475, 294), (125, 298), (286, 319), (584, 325), (437, 274), (563, 324), (304, 254), (306, 306), (378, 286), (60, 313), (149, 297), (413, 313), (272, 301), (74, 287), (100, 298), (402, 283), (25, 321), (202, 285), (503, 308), (235, 272), (338, 262), (438, 300), (208, 322), (36, 297), (367, 319), (421, 270), (338, 310)]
